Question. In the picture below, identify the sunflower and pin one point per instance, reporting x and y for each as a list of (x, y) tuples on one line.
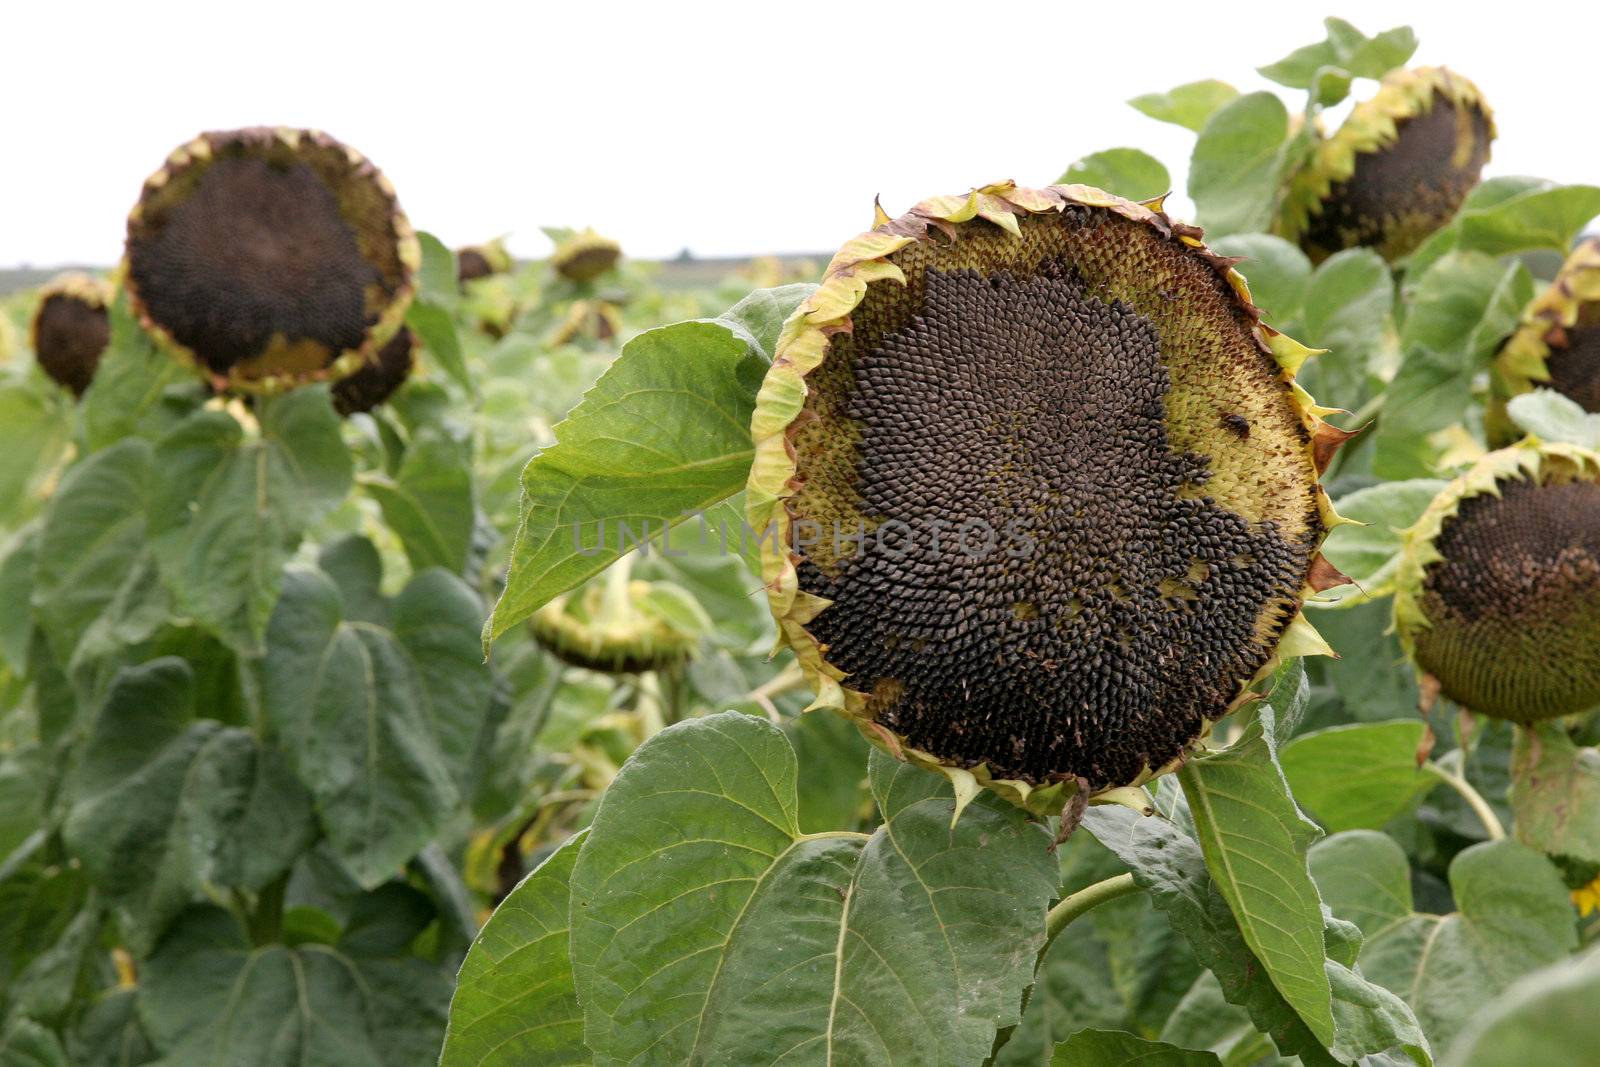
[(1037, 492), (585, 256), (270, 257), (71, 329), (1556, 344)]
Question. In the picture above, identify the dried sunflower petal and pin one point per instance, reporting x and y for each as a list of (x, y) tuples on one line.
[(270, 257), (1395, 171), (1498, 592), (71, 329), (1041, 492), (1557, 343)]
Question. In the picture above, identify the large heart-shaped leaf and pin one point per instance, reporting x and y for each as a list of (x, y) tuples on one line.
[(378, 722), (664, 434), (166, 805), (706, 928), (514, 1002), (1237, 164), (1513, 917), (208, 996)]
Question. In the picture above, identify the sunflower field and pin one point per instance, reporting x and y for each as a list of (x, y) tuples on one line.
[(1052, 631)]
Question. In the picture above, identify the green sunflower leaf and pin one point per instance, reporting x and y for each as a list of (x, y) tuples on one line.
[(664, 434), (696, 887), (1236, 168), (1189, 105), (1115, 1048), (1127, 172), (1555, 793), (1547, 1018), (1370, 553), (1513, 917), (1359, 775)]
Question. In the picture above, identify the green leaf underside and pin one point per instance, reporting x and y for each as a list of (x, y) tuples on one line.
[(664, 434), (1254, 840), (706, 928), (515, 1002), (1234, 172), (1358, 775), (1513, 917)]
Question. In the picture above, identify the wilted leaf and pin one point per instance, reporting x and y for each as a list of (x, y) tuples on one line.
[(696, 887), (514, 1002), (1555, 793)]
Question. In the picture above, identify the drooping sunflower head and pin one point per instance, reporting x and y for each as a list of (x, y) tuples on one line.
[(1556, 344), (71, 328), (375, 382), (270, 257), (586, 320), (1039, 494), (1498, 593), (621, 626), (585, 256), (480, 261), (1395, 171)]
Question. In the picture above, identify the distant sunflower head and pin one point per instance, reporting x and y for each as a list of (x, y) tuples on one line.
[(270, 257), (375, 382), (586, 320), (621, 627), (1557, 343), (585, 256), (1498, 593), (1039, 494), (71, 328), (1395, 171), (480, 261)]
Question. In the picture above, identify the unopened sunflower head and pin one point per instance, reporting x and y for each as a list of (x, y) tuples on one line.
[(585, 256), (1038, 493), (1556, 344), (1498, 593), (71, 328), (270, 257), (480, 261), (1395, 171), (622, 626), (375, 382)]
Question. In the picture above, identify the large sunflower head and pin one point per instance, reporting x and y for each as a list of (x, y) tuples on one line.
[(1557, 343), (1395, 171), (480, 261), (1498, 593), (1038, 493), (71, 328), (375, 382), (585, 256), (270, 257)]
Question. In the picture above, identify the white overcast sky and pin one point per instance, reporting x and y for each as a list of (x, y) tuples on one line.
[(726, 128)]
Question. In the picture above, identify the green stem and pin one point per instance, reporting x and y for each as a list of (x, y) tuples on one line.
[(1480, 807), (266, 918), (1086, 899)]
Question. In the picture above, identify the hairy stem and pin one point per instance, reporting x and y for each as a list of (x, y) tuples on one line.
[(1085, 899), (1480, 807)]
